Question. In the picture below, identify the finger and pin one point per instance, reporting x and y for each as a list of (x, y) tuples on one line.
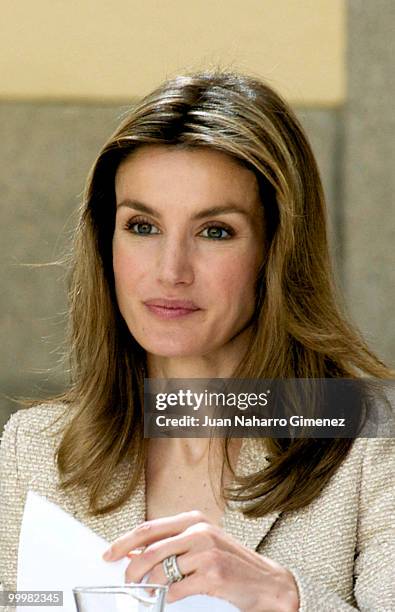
[(152, 558), (150, 532), (198, 538), (212, 537), (220, 574), (157, 574), (191, 585), (202, 563), (133, 554)]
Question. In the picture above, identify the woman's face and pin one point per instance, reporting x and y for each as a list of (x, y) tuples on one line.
[(187, 246)]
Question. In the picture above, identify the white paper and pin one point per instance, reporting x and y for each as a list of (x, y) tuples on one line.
[(57, 553)]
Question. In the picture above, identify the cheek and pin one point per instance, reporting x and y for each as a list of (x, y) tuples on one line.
[(121, 266), (233, 281), (128, 267)]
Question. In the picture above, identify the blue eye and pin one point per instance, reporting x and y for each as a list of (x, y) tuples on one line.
[(142, 228), (216, 232)]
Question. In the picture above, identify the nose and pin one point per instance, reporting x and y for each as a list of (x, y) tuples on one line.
[(175, 266)]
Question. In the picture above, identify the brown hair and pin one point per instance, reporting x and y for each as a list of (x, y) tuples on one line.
[(299, 330)]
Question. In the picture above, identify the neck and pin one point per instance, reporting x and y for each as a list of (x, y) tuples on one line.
[(219, 364)]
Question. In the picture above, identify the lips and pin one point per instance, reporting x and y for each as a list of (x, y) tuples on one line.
[(163, 303), (171, 309)]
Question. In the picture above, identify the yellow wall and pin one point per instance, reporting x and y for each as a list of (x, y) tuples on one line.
[(117, 49)]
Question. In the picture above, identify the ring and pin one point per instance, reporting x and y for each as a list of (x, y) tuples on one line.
[(171, 569)]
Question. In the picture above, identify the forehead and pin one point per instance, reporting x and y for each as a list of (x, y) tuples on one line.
[(158, 173)]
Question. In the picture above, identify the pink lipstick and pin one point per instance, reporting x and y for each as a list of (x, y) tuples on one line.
[(171, 309)]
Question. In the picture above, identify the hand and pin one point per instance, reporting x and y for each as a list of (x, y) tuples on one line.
[(212, 563)]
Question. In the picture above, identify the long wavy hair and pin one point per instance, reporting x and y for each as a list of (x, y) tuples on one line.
[(299, 329)]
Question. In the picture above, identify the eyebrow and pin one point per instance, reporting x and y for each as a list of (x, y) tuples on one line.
[(212, 211)]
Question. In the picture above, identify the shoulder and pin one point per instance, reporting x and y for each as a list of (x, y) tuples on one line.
[(370, 461), (31, 437), (376, 456), (377, 476), (42, 421), (27, 462), (365, 481)]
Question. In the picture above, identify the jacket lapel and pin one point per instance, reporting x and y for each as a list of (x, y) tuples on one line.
[(114, 524), (247, 530)]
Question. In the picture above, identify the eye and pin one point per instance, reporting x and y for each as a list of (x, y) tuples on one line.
[(141, 227), (217, 232)]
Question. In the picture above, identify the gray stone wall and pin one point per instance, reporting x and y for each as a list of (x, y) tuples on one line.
[(369, 176), (46, 151)]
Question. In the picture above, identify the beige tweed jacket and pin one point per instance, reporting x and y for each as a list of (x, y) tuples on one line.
[(340, 548)]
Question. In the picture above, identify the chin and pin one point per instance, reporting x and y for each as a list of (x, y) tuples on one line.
[(173, 348), (173, 351)]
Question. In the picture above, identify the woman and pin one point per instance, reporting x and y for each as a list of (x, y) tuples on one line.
[(202, 253)]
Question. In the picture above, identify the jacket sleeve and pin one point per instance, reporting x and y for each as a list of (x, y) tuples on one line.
[(11, 504), (375, 547)]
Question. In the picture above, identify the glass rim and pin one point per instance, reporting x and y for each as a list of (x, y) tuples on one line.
[(119, 588)]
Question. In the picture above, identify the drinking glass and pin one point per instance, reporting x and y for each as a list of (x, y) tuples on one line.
[(126, 598)]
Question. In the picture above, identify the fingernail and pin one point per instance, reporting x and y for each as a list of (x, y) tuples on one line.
[(107, 555), (150, 592)]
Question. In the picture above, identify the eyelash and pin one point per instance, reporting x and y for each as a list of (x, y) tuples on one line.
[(143, 221)]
